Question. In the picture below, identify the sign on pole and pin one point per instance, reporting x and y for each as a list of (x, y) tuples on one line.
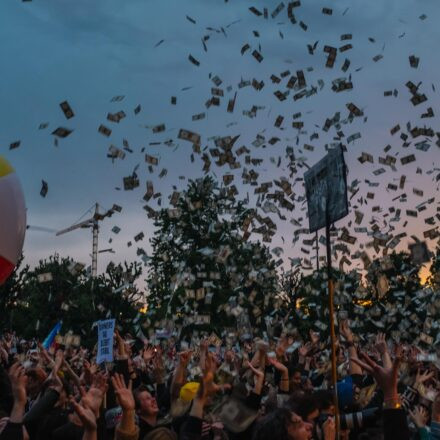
[(326, 190), (105, 341)]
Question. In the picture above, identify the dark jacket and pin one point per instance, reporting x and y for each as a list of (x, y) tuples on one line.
[(395, 425), (39, 410), (191, 429), (12, 431)]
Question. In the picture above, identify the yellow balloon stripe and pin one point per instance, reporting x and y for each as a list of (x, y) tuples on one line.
[(5, 167)]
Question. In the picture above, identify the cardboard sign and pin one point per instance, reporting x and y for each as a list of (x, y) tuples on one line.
[(326, 190), (105, 341)]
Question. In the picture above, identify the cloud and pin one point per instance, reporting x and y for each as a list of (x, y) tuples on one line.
[(88, 51)]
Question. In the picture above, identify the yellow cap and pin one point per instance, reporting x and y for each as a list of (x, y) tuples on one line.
[(189, 391)]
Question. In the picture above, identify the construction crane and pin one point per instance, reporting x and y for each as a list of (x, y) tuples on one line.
[(93, 223)]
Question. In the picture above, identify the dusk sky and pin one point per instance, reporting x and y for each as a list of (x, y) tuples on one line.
[(87, 52)]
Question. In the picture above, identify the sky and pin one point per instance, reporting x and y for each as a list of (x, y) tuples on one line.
[(89, 52)]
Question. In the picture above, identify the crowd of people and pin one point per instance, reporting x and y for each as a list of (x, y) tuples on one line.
[(219, 388)]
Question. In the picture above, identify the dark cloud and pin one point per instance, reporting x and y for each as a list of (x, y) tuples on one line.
[(88, 51)]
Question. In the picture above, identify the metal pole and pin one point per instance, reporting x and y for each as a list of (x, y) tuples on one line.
[(332, 325), (95, 243)]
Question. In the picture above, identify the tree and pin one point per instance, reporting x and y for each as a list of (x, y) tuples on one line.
[(289, 281), (389, 299), (312, 312), (434, 278), (204, 270), (400, 304), (69, 295), (9, 293)]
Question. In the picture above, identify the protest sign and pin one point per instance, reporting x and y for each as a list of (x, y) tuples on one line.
[(105, 341), (326, 190)]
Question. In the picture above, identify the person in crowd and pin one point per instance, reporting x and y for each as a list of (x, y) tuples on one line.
[(277, 389)]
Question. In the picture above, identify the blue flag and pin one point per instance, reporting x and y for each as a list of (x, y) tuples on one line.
[(51, 336)]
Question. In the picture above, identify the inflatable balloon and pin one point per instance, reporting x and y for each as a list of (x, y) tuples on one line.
[(12, 219)]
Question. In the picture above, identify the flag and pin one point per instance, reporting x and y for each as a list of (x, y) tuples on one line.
[(51, 336)]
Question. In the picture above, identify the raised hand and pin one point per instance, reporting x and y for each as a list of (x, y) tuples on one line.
[(329, 429), (381, 344), (412, 354), (281, 348), (148, 354), (345, 331), (386, 378), (123, 393), (284, 382), (419, 416), (184, 357), (118, 336), (99, 382), (210, 363), (56, 384), (7, 342), (422, 377), (89, 368), (257, 371), (204, 344), (304, 349), (18, 379), (86, 415)]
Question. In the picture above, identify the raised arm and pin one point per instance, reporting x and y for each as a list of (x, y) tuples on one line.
[(180, 372), (284, 381), (192, 428), (14, 428), (258, 378), (126, 401), (394, 418), (345, 331), (71, 373), (382, 348)]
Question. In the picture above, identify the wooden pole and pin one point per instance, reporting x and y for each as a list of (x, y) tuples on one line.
[(332, 325), (317, 251)]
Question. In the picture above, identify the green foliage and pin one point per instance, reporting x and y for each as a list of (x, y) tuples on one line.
[(9, 293), (390, 299), (203, 247), (202, 266), (34, 307), (399, 300), (434, 278), (312, 311)]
